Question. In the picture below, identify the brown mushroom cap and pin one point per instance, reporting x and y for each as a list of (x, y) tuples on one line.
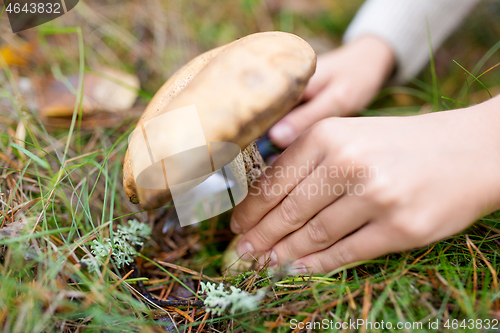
[(240, 90)]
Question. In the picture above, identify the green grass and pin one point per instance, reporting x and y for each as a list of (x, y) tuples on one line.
[(62, 187)]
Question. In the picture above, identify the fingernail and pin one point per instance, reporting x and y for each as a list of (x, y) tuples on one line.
[(274, 259), (245, 251), (235, 227), (273, 262), (298, 269), (282, 134)]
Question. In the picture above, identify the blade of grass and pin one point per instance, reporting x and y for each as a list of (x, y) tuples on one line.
[(454, 101), (475, 78), (435, 94), (486, 57), (35, 158), (79, 98)]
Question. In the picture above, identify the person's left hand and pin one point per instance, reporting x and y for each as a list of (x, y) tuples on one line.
[(353, 189)]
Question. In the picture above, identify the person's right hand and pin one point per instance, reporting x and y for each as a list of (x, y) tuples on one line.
[(354, 189), (346, 80)]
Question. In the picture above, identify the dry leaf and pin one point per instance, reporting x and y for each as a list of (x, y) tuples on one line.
[(108, 90), (16, 54), (97, 119)]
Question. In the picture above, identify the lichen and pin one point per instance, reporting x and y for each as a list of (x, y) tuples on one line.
[(121, 248), (218, 299)]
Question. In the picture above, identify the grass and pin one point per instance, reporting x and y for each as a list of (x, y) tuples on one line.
[(60, 188)]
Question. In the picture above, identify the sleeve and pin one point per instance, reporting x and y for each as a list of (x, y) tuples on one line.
[(403, 25)]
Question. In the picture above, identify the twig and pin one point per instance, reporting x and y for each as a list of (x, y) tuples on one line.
[(185, 270), (146, 294)]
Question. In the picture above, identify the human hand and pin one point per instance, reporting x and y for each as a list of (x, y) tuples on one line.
[(346, 80), (416, 180)]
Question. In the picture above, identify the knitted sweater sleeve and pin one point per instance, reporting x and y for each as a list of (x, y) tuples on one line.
[(403, 25)]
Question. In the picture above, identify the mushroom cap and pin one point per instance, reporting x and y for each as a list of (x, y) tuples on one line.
[(239, 90)]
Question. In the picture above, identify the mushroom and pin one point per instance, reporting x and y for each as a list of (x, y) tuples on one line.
[(239, 90)]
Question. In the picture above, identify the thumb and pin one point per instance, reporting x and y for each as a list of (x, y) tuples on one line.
[(324, 105)]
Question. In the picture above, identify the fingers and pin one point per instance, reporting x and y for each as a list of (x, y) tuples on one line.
[(371, 241), (317, 82), (334, 222), (308, 198), (276, 182), (304, 116)]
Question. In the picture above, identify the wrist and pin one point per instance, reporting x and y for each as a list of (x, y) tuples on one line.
[(485, 120)]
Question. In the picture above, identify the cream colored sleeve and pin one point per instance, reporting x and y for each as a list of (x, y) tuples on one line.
[(403, 25)]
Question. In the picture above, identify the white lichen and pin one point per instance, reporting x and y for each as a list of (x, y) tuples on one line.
[(121, 248), (135, 233), (219, 300)]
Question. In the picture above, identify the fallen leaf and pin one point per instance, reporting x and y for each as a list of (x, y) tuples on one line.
[(96, 119), (16, 54), (106, 90)]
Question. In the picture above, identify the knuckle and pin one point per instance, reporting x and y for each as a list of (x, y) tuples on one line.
[(382, 193), (286, 252), (350, 152), (323, 126), (319, 265), (322, 130), (342, 255), (260, 240), (266, 189), (242, 218), (415, 230), (316, 231), (289, 212)]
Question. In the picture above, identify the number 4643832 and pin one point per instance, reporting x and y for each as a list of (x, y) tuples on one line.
[(471, 324), (33, 8)]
